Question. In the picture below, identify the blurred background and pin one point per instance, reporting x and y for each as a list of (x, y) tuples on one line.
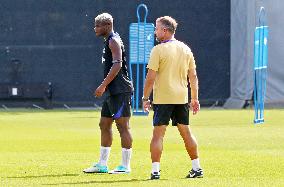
[(48, 47)]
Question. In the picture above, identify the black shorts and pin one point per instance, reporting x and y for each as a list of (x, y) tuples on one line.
[(116, 106), (178, 113)]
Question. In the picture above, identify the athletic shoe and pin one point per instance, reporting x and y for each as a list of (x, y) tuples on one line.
[(195, 174), (97, 168), (119, 170), (155, 175)]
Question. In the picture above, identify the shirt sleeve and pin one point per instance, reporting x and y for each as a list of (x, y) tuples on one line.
[(154, 59)]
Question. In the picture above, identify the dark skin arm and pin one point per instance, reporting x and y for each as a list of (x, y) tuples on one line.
[(116, 51)]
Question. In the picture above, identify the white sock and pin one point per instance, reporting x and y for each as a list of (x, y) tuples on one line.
[(156, 167), (195, 164), (104, 155), (126, 157)]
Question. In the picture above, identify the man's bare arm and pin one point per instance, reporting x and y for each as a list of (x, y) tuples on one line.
[(192, 77), (149, 82), (193, 80), (148, 87), (116, 51)]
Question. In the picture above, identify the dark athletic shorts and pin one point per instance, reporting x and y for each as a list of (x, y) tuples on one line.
[(116, 106), (163, 113)]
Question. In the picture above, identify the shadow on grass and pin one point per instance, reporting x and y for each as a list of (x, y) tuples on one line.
[(103, 182), (43, 176)]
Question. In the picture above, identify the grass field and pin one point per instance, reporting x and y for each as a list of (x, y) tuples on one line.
[(50, 148)]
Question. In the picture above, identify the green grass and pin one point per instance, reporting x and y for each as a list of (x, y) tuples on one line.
[(50, 148)]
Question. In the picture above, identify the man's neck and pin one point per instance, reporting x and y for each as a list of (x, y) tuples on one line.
[(108, 34), (169, 38)]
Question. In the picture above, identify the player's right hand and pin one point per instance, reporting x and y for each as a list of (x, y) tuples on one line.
[(147, 105), (100, 91)]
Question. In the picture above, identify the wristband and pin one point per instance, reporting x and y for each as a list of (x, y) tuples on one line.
[(145, 99)]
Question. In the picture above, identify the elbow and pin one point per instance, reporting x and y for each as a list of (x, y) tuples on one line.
[(151, 81), (193, 78), (117, 67)]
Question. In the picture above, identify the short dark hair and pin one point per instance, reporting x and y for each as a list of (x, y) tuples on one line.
[(168, 22)]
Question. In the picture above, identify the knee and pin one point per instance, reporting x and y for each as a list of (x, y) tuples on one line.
[(122, 128), (105, 128)]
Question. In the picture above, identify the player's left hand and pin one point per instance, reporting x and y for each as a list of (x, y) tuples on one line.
[(194, 106), (100, 91)]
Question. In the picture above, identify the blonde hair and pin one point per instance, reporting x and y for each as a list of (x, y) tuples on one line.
[(168, 22), (104, 18)]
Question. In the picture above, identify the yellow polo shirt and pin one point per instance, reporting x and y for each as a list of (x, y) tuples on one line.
[(171, 61)]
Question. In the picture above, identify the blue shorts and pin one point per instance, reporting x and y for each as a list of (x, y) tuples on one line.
[(116, 106), (163, 113)]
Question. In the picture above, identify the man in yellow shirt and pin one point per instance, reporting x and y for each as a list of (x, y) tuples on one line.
[(170, 66)]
